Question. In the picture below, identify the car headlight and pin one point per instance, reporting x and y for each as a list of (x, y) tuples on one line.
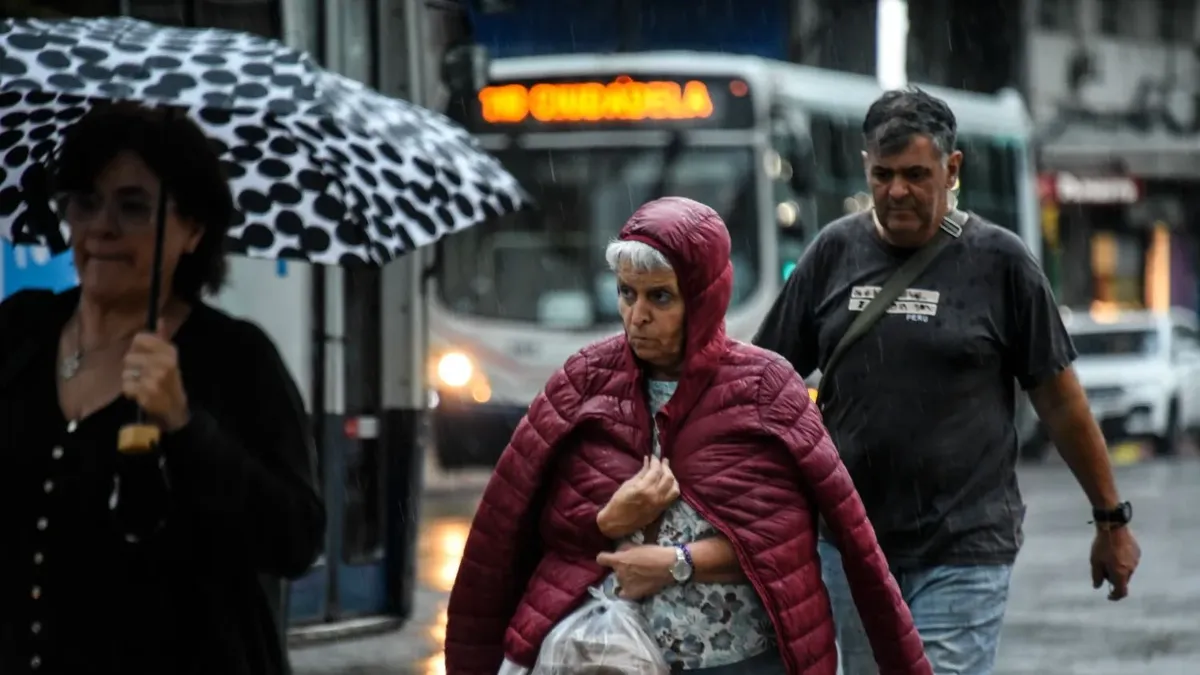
[(455, 369)]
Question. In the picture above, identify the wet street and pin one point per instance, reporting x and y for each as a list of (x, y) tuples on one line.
[(1056, 623)]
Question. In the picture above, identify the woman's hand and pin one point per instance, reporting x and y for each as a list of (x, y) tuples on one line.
[(641, 571), (640, 500), (151, 379)]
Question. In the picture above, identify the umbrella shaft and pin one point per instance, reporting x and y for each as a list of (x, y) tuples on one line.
[(156, 271)]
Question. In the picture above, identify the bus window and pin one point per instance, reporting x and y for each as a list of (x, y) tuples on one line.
[(526, 263), (793, 232), (988, 181), (840, 185)]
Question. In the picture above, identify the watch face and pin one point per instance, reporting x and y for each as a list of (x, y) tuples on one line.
[(680, 570), (1122, 514)]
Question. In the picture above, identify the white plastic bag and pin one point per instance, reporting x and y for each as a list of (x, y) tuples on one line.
[(510, 668), (606, 636)]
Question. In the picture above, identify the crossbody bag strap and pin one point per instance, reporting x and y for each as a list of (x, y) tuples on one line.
[(951, 229)]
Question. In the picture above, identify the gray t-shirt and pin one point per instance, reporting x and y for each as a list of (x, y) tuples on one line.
[(921, 408)]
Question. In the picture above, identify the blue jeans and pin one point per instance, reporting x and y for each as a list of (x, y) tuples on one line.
[(958, 612)]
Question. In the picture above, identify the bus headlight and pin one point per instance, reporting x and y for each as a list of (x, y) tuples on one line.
[(455, 369)]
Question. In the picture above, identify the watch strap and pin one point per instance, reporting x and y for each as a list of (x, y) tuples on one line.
[(1119, 515), (687, 555), (684, 556)]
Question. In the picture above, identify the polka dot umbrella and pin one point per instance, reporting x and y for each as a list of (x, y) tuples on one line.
[(323, 168)]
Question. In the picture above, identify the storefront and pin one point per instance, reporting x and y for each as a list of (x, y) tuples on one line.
[(1118, 241), (1122, 204)]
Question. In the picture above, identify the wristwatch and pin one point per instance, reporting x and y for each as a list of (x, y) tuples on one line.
[(1115, 517), (682, 569)]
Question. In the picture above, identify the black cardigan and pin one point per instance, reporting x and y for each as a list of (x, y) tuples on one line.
[(196, 597)]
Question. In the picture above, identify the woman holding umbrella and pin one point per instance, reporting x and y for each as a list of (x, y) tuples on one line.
[(172, 580), (157, 548)]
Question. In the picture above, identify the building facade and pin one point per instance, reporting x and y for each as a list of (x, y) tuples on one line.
[(976, 46), (535, 27), (1114, 86)]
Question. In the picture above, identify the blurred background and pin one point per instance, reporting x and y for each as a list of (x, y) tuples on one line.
[(1080, 121)]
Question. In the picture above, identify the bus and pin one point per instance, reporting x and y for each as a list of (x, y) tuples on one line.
[(774, 147)]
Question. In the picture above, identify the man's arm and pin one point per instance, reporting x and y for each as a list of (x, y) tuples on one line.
[(1063, 407), (788, 328), (1041, 353)]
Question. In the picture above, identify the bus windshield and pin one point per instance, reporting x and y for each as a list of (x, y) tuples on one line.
[(546, 266)]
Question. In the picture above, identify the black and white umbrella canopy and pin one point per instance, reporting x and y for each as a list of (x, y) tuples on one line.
[(323, 168)]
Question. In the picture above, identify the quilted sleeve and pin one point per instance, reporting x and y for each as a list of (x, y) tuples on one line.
[(788, 413), (572, 525), (491, 576)]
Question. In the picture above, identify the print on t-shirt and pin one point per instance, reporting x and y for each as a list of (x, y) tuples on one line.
[(915, 303)]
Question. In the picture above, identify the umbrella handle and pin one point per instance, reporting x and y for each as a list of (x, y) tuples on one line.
[(138, 439)]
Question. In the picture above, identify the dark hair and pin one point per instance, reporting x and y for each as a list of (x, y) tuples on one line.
[(894, 118), (183, 158)]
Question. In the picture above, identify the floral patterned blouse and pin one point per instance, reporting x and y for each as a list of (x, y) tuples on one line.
[(700, 625)]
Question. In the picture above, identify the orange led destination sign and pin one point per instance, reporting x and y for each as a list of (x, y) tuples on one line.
[(623, 99)]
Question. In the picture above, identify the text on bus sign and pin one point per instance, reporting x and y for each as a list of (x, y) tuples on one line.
[(622, 99)]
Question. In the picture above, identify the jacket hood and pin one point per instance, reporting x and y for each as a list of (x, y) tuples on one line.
[(694, 240)]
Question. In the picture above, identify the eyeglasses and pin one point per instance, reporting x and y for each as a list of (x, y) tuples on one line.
[(129, 211)]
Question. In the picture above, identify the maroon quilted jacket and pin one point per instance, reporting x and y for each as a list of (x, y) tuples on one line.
[(749, 451)]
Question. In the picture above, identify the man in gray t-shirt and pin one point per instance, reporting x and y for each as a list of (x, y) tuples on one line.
[(922, 406)]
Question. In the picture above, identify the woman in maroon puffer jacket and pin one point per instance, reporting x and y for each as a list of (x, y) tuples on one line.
[(730, 581)]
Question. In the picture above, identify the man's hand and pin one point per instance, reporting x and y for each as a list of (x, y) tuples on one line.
[(641, 571), (1115, 557), (640, 500)]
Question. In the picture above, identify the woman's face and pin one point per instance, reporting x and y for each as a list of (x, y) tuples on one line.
[(652, 310), (112, 232)]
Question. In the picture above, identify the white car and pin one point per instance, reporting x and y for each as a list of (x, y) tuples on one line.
[(1141, 372)]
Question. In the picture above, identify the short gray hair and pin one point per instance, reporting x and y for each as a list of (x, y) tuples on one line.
[(642, 257), (897, 116)]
